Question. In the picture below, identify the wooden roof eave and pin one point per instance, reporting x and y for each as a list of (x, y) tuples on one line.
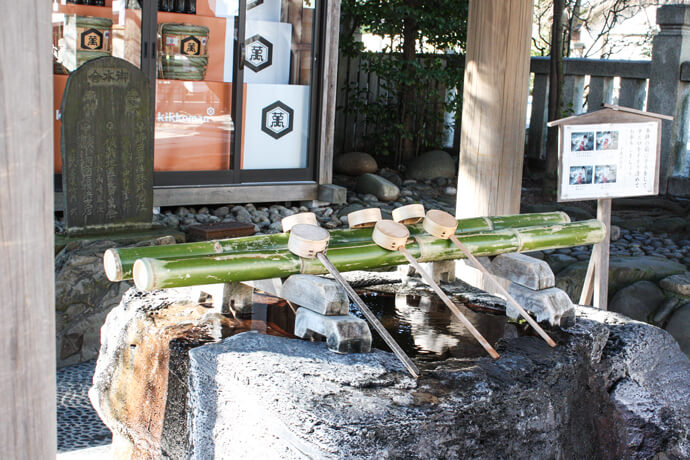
[(600, 116)]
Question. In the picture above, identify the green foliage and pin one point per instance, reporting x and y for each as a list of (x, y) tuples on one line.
[(411, 100)]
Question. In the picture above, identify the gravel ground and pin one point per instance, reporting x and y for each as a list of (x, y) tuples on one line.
[(78, 424)]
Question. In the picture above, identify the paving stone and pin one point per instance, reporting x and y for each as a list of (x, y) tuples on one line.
[(680, 284), (344, 334), (551, 304), (524, 270), (321, 295)]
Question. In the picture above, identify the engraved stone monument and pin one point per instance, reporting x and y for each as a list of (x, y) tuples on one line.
[(107, 148)]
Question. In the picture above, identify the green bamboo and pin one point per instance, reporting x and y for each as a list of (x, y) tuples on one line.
[(119, 261), (224, 268)]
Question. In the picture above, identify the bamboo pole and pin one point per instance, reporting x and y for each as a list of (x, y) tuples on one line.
[(310, 242), (225, 268), (118, 262), (442, 225)]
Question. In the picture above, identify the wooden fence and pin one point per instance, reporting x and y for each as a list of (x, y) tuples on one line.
[(587, 84), (354, 129)]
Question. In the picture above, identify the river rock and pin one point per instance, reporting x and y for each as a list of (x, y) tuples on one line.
[(391, 175), (430, 165), (678, 284), (670, 224), (679, 327), (558, 262), (354, 164), (221, 212), (638, 301), (383, 189), (623, 271)]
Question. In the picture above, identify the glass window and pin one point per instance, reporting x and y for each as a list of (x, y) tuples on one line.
[(215, 94), (85, 30)]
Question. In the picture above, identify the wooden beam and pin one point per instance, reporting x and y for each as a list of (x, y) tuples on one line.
[(597, 67), (494, 107), (27, 329), (174, 196), (266, 193)]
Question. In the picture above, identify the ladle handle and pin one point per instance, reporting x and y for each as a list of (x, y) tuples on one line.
[(503, 291), (373, 320), (449, 303)]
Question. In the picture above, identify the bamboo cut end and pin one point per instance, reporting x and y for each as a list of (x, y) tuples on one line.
[(144, 279), (308, 218), (308, 240), (364, 218), (409, 214), (390, 235), (112, 265), (440, 224)]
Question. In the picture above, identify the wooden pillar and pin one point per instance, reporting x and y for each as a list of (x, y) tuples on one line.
[(494, 107), (27, 328), (328, 88)]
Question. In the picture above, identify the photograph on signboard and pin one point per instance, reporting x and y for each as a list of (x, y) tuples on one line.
[(607, 160), (605, 174), (580, 175), (581, 141), (607, 140)]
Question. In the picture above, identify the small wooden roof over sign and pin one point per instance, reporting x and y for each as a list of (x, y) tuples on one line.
[(611, 153), (610, 114)]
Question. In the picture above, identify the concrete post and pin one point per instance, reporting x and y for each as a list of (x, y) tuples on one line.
[(667, 93)]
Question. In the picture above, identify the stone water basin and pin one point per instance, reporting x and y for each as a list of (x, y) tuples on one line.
[(613, 388)]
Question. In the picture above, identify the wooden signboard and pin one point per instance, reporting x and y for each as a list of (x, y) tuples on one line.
[(107, 147), (611, 153)]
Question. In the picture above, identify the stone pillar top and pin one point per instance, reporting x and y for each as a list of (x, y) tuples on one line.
[(673, 15)]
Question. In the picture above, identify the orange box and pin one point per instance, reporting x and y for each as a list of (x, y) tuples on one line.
[(193, 125)]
